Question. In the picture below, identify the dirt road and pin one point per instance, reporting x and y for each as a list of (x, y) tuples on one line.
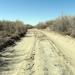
[(39, 53)]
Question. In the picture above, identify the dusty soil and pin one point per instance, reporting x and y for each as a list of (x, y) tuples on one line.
[(39, 53)]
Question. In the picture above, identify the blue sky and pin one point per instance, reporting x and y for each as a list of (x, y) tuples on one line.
[(34, 11)]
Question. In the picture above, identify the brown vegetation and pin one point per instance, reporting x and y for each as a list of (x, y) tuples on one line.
[(10, 32), (64, 24)]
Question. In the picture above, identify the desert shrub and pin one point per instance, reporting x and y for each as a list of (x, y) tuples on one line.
[(28, 26), (9, 28), (41, 25), (63, 24), (11, 31)]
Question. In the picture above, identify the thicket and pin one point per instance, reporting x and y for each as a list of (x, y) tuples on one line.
[(64, 25), (11, 31)]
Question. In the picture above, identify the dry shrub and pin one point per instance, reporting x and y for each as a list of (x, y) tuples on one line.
[(10, 32), (63, 24)]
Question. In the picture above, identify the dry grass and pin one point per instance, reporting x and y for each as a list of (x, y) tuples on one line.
[(11, 32), (63, 24)]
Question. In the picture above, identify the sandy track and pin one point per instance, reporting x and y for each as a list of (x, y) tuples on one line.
[(36, 54), (12, 59), (48, 61)]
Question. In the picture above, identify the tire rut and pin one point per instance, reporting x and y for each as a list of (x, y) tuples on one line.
[(18, 59), (51, 58), (27, 67), (43, 57)]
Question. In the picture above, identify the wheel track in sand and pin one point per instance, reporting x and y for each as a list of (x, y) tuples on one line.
[(27, 70), (60, 65), (43, 58)]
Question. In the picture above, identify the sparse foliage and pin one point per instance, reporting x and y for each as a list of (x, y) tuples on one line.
[(63, 24), (11, 31)]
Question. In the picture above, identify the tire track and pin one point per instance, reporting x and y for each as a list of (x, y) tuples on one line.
[(14, 58), (27, 66), (50, 61), (40, 56), (65, 67)]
